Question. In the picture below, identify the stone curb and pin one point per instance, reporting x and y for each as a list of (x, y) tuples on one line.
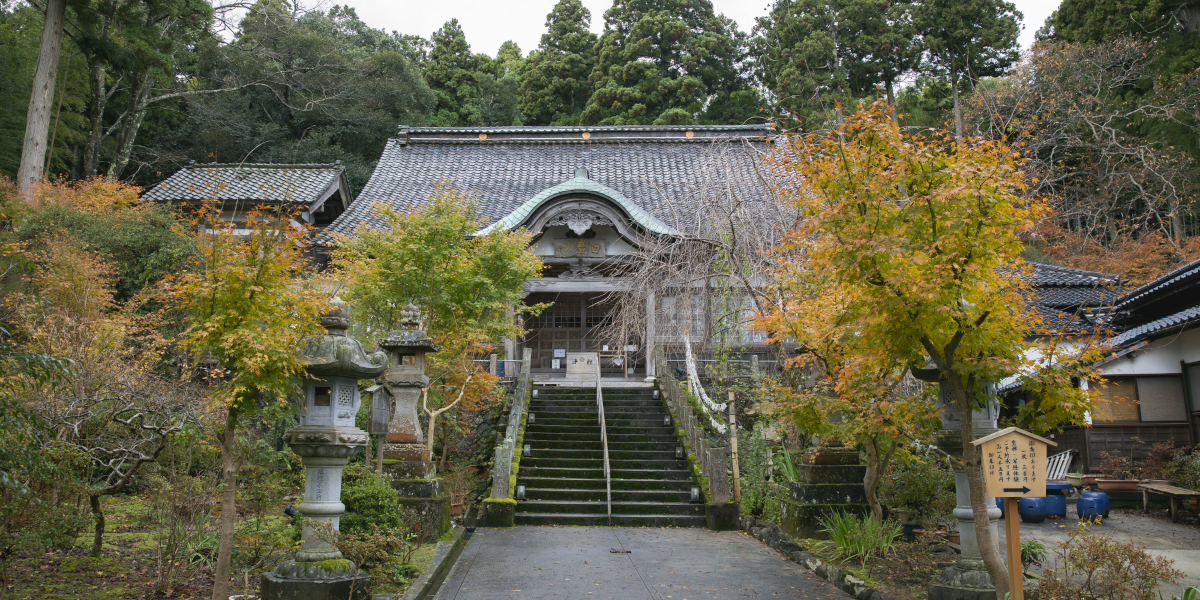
[(444, 557), (774, 537)]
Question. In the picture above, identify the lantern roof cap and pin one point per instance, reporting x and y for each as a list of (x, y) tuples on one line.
[(336, 354), (411, 339)]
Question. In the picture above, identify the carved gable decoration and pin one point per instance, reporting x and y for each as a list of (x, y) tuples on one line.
[(579, 220)]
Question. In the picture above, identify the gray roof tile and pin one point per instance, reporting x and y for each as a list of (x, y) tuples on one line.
[(246, 182), (653, 167)]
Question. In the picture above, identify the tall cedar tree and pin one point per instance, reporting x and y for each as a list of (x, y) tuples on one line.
[(798, 57), (659, 61), (969, 39), (499, 84), (555, 87), (933, 275), (881, 44), (452, 74)]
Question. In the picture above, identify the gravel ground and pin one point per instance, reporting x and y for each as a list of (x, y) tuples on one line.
[(1179, 542)]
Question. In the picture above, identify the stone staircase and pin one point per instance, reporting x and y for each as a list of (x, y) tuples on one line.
[(564, 476)]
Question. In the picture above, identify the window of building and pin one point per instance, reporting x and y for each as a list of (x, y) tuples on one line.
[(1161, 398)]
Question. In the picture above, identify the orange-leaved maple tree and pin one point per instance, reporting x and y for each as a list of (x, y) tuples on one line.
[(914, 245), (861, 394), (249, 297)]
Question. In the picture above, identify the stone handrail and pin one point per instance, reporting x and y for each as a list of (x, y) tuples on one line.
[(713, 462), (506, 451), (604, 444)]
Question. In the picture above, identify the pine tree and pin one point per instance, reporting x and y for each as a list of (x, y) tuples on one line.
[(555, 86), (452, 74), (499, 83), (659, 61), (969, 39)]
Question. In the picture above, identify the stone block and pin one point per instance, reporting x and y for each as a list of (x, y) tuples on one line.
[(831, 473), (417, 488), (788, 547), (827, 493), (498, 514), (831, 455), (803, 520), (853, 585), (722, 517), (273, 587), (410, 469), (433, 510), (718, 481), (832, 574)]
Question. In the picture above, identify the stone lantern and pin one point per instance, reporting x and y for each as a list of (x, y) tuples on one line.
[(405, 378), (406, 460), (325, 440)]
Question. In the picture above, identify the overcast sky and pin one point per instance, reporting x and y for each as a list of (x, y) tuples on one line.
[(488, 23)]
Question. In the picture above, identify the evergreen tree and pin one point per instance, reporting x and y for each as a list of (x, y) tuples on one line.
[(1099, 20), (555, 87), (798, 57), (499, 83), (968, 39), (659, 61), (881, 44), (452, 74)]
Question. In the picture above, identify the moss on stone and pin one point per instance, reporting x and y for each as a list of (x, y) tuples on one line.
[(500, 500), (332, 565)]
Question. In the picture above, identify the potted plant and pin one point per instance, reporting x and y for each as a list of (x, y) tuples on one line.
[(459, 483), (1120, 474), (1080, 480)]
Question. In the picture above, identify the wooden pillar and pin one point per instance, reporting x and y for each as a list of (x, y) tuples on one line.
[(650, 343)]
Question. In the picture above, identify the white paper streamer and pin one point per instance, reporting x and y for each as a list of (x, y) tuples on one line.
[(707, 406)]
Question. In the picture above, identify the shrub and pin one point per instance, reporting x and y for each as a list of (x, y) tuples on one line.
[(1184, 469), (368, 499), (1090, 566), (923, 485), (860, 539), (1159, 460), (1117, 466)]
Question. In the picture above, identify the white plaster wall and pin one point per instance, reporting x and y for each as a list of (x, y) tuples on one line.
[(1159, 357), (616, 246)]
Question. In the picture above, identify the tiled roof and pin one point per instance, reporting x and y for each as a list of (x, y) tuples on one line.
[(1040, 274), (1176, 322), (247, 182), (651, 167), (1183, 275)]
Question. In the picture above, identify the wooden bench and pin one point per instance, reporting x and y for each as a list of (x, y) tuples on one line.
[(1171, 492)]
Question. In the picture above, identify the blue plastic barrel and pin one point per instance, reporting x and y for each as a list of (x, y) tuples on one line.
[(1092, 505), (1033, 510)]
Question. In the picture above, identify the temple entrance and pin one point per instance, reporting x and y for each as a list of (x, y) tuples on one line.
[(575, 322)]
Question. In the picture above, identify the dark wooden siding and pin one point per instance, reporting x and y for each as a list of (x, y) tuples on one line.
[(1093, 441)]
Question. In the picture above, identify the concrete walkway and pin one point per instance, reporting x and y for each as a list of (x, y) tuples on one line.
[(576, 563)]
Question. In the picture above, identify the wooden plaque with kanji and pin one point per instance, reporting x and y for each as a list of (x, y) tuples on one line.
[(1014, 463)]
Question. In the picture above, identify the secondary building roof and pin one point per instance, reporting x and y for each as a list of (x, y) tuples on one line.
[(649, 172), (309, 185)]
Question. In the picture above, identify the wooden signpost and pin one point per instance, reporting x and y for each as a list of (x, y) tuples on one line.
[(1014, 466)]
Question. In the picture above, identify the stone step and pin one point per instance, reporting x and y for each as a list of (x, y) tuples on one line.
[(598, 463), (598, 473), (670, 496), (617, 520), (610, 421), (555, 445), (598, 453), (617, 484), (594, 507), (660, 435)]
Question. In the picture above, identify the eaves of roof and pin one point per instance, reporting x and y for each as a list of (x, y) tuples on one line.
[(1161, 286), (1169, 325), (579, 184)]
